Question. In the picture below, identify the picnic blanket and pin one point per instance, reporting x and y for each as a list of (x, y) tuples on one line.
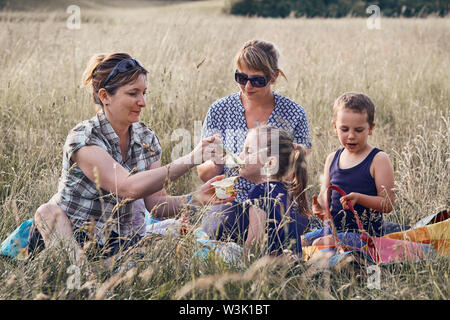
[(437, 234), (431, 235)]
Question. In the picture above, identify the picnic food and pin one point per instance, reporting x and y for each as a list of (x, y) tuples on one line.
[(231, 159), (225, 187)]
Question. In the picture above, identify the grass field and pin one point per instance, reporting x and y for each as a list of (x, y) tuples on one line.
[(403, 67)]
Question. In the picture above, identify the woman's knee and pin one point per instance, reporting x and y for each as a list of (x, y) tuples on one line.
[(47, 216)]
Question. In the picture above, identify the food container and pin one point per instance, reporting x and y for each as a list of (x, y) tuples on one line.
[(225, 187)]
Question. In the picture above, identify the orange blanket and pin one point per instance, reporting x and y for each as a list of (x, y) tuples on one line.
[(437, 234)]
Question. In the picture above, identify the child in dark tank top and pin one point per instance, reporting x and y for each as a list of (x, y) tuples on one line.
[(364, 172)]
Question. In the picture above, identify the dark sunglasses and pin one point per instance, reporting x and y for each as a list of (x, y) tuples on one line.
[(256, 81), (123, 66)]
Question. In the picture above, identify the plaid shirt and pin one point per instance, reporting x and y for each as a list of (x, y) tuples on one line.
[(80, 198)]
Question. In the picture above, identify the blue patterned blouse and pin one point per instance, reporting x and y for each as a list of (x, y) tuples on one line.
[(226, 117)]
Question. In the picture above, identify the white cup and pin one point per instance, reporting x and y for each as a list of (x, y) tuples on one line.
[(225, 187)]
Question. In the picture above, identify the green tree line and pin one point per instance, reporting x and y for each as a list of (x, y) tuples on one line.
[(338, 8)]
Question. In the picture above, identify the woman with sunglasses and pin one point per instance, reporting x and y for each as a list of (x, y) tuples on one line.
[(256, 103), (111, 161)]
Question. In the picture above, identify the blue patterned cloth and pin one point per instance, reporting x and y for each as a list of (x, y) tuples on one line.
[(226, 117), (15, 245)]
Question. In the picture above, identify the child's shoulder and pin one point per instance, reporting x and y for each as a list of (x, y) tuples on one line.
[(381, 158), (381, 154), (330, 157), (381, 164)]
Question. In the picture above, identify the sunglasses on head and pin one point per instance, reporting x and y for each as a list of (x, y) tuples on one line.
[(256, 81), (123, 66)]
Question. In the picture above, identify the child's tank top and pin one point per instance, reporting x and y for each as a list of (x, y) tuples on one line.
[(355, 179)]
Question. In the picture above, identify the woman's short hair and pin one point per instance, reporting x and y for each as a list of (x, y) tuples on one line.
[(260, 56)]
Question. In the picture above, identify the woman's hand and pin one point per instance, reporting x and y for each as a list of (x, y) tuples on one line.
[(207, 194), (208, 149), (353, 197)]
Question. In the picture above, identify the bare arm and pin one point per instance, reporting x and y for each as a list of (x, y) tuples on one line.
[(160, 204), (208, 170), (383, 174), (319, 203), (256, 227), (325, 183), (98, 165)]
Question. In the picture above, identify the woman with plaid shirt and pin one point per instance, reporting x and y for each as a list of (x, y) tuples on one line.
[(112, 160)]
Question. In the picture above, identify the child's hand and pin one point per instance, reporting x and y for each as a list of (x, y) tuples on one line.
[(318, 210), (353, 197)]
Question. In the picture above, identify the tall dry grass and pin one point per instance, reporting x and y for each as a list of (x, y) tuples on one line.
[(403, 67)]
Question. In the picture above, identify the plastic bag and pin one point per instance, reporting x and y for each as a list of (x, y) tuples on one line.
[(15, 246)]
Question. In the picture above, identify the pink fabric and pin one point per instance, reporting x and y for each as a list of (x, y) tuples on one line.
[(384, 250)]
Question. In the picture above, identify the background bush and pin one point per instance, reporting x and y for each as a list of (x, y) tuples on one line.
[(338, 8)]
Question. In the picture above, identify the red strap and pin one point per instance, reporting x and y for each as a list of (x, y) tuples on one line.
[(364, 234)]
